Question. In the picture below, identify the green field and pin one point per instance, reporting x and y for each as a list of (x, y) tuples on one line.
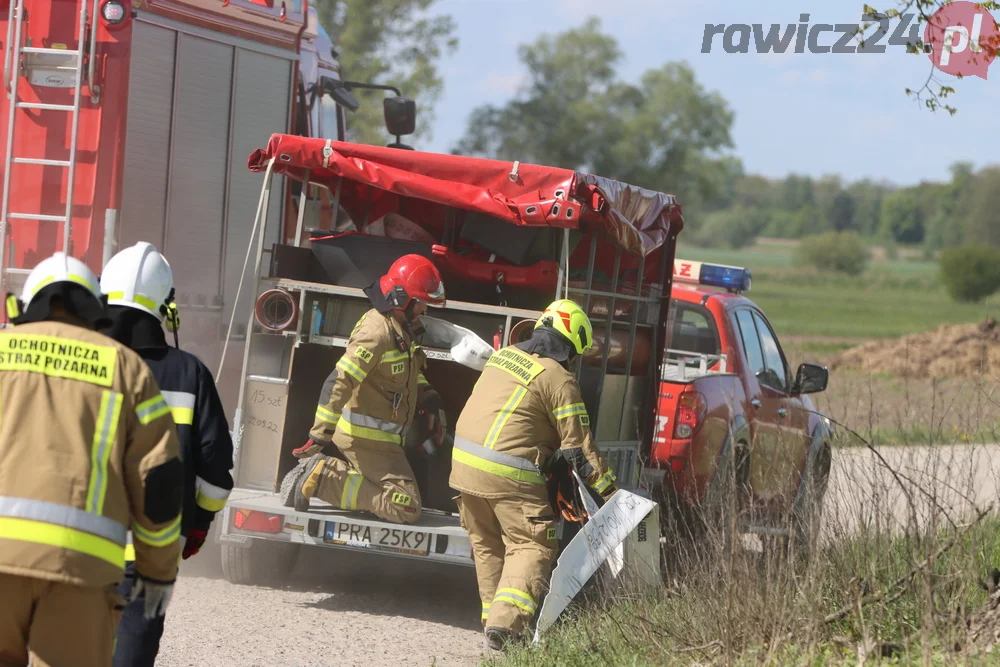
[(892, 298)]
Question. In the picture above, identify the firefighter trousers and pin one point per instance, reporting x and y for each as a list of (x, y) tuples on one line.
[(61, 624), (513, 545), (376, 479), (138, 636)]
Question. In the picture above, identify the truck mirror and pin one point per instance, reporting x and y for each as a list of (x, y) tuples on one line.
[(811, 379), (343, 97), (400, 116), (339, 93)]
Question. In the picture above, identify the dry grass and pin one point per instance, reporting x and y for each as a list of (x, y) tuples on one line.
[(899, 573), (893, 410)]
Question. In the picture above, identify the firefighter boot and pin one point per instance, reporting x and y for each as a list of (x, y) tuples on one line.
[(498, 639), (292, 494)]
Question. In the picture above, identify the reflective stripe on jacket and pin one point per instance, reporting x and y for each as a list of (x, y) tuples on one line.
[(523, 409), (202, 429), (89, 451)]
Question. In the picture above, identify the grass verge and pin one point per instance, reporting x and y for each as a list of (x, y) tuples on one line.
[(900, 599)]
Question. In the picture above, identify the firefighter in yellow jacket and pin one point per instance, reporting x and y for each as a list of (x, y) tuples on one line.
[(373, 398), (88, 451), (525, 408)]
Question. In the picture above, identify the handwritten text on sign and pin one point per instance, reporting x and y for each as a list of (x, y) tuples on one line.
[(595, 542), (264, 421), (265, 407)]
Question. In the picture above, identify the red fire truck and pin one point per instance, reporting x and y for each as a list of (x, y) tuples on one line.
[(129, 120)]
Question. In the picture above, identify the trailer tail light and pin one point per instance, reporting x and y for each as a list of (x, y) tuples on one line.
[(257, 522), (113, 12), (691, 408)]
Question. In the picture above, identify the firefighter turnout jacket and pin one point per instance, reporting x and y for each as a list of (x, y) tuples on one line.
[(375, 388), (88, 452), (202, 429), (524, 408)]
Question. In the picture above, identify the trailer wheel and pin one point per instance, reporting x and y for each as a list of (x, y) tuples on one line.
[(259, 562)]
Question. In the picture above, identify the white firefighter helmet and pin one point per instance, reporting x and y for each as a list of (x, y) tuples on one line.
[(58, 269), (139, 277)]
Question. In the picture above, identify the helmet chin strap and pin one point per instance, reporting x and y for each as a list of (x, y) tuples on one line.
[(412, 321), (171, 318)]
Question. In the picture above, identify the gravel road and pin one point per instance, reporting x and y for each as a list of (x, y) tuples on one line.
[(341, 608), (336, 609)]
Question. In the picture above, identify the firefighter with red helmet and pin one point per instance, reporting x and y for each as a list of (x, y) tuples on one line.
[(374, 397)]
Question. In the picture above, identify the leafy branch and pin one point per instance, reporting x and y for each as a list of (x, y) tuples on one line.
[(933, 93)]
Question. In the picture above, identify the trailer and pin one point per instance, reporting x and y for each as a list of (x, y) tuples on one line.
[(508, 238), (130, 121)]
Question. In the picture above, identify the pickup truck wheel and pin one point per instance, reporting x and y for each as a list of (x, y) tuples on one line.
[(259, 562), (728, 498), (808, 512)]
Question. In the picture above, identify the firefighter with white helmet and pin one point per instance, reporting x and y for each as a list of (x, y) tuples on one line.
[(87, 452), (526, 408), (375, 393), (139, 286)]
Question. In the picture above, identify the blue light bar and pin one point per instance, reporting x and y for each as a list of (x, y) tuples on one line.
[(733, 278)]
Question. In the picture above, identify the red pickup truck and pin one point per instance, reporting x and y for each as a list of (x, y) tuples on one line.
[(732, 418)]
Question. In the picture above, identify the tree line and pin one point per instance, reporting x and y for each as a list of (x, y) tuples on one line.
[(933, 215), (663, 132)]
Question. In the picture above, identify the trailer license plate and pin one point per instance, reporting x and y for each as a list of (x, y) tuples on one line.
[(395, 540)]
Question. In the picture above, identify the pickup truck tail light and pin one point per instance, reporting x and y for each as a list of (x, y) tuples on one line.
[(691, 409)]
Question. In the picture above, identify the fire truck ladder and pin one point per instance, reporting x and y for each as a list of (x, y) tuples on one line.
[(69, 61)]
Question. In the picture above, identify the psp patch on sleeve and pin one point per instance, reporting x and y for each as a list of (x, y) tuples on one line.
[(363, 353), (585, 420)]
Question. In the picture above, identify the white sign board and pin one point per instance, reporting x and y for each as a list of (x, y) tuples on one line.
[(599, 538), (466, 347)]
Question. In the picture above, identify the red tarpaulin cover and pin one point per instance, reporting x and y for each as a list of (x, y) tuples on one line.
[(376, 179)]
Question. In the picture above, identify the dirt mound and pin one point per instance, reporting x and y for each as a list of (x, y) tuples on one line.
[(951, 350)]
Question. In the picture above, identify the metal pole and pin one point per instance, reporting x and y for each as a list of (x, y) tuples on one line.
[(586, 290), (562, 285), (302, 209), (76, 121), (14, 4), (110, 235), (261, 203), (336, 205), (9, 161), (95, 90), (631, 343), (607, 339), (238, 419), (659, 343)]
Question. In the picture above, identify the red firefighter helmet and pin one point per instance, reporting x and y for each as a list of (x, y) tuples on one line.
[(412, 277)]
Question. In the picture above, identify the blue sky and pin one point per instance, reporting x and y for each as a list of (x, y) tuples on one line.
[(805, 113)]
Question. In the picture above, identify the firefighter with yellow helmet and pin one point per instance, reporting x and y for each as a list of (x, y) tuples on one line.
[(88, 451), (525, 409)]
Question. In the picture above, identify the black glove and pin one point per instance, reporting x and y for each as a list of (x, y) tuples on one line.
[(431, 410)]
